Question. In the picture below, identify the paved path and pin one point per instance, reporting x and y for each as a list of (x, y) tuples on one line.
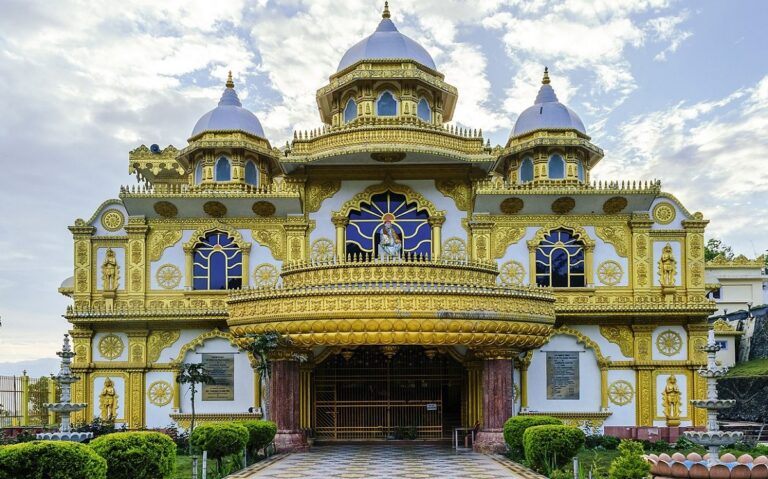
[(385, 461)]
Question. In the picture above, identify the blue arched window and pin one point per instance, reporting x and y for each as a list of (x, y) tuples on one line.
[(526, 170), (580, 170), (199, 172), (386, 105), (560, 260), (251, 173), (556, 167), (350, 111), (410, 223), (223, 169), (217, 262), (424, 111)]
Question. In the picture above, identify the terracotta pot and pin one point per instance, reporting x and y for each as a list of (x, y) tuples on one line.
[(719, 471), (699, 471), (745, 459), (760, 471), (679, 470), (694, 456), (728, 458), (741, 472)]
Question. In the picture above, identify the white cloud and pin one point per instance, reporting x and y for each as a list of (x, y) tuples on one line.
[(667, 29)]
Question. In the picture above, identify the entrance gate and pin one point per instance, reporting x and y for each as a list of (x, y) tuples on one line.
[(364, 394)]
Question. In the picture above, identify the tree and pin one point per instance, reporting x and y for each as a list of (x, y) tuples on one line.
[(193, 374), (716, 247)]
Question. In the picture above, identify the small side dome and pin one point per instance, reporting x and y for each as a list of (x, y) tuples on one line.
[(386, 43), (547, 113), (229, 115)]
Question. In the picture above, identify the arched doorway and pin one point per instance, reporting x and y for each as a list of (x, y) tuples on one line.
[(387, 392)]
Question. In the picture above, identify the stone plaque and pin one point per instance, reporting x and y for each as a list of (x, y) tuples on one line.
[(562, 375), (222, 368)]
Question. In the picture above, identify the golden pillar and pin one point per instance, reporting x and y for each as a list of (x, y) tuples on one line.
[(25, 399), (640, 268), (436, 222), (474, 413), (83, 275), (646, 402), (136, 266), (305, 396), (134, 403), (480, 238), (296, 239), (341, 222), (603, 385)]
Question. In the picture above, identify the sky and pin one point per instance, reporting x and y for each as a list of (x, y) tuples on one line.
[(671, 90)]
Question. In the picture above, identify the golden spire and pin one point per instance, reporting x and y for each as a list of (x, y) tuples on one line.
[(385, 13), (545, 80), (230, 82)]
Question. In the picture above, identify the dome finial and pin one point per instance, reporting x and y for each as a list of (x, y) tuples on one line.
[(385, 13), (230, 83), (545, 80)]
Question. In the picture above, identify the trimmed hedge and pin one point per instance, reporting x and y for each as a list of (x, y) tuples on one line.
[(51, 460), (516, 426), (137, 455), (220, 439), (551, 447), (260, 434), (630, 463)]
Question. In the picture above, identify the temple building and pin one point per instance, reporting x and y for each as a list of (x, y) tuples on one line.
[(421, 279)]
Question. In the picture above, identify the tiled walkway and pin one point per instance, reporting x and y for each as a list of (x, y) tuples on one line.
[(386, 461)]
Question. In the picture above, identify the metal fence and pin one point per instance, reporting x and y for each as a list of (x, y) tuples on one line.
[(22, 400)]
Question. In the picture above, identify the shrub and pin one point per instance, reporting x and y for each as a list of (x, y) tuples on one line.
[(51, 460), (260, 434), (599, 441), (551, 447), (220, 440), (516, 426), (630, 463), (137, 455)]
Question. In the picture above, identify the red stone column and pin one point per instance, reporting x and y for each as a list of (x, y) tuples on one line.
[(497, 404), (284, 405)]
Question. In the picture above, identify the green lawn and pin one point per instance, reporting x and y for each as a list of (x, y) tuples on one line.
[(184, 467), (598, 460), (749, 369)]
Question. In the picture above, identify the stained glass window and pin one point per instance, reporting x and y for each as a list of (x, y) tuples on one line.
[(556, 167), (223, 171), (386, 105), (424, 111), (251, 174), (560, 260), (410, 223), (350, 111), (199, 172), (526, 171), (217, 262)]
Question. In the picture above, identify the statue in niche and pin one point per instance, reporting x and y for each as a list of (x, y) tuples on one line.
[(108, 401), (390, 243), (667, 266), (110, 271), (671, 400)]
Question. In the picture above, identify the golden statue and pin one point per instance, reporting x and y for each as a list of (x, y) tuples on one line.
[(667, 266), (671, 400), (108, 401), (110, 271)]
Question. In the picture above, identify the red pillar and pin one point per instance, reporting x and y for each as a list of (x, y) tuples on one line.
[(284, 406), (497, 405)]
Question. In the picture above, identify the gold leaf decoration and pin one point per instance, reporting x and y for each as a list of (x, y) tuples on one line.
[(273, 238), (159, 240), (458, 191), (621, 336), (617, 236), (503, 237), (317, 192), (159, 340)]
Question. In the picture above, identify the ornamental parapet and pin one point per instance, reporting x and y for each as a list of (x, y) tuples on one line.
[(273, 190), (96, 313), (551, 137), (416, 270), (562, 187), (591, 303)]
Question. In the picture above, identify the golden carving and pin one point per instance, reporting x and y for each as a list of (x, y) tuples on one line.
[(199, 340), (512, 273), (166, 209), (215, 209), (81, 253), (317, 192), (160, 393), (159, 240), (617, 236), (264, 208), (669, 342), (642, 274), (388, 185), (610, 273), (579, 233), (108, 404), (697, 247), (136, 252), (112, 220), (110, 272), (159, 340), (460, 192), (168, 276), (216, 226), (671, 401), (111, 346), (614, 205), (273, 237), (722, 325), (503, 237), (322, 250), (664, 213), (621, 392), (265, 275), (667, 266), (511, 206), (563, 205), (646, 402), (388, 156), (454, 249), (641, 244), (621, 336)]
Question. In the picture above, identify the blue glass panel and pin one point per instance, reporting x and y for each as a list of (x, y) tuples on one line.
[(526, 171), (560, 260), (217, 263), (251, 175), (199, 172), (387, 105), (424, 111), (580, 170), (350, 111), (409, 222), (556, 167), (223, 172)]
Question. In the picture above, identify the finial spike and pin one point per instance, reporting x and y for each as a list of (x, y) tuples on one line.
[(385, 13), (230, 82), (545, 80)]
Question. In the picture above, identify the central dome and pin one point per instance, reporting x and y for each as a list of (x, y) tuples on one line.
[(547, 113), (386, 43)]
